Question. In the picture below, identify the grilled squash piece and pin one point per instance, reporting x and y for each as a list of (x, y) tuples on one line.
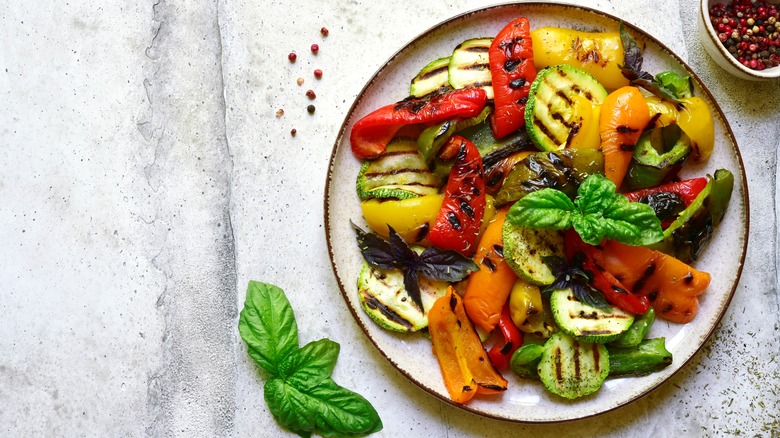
[(400, 172), (553, 116), (572, 368), (585, 322), (470, 67)]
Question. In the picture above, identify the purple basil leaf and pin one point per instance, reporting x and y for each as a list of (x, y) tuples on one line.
[(589, 295), (376, 251), (445, 265), (556, 264), (413, 287), (631, 52), (404, 256)]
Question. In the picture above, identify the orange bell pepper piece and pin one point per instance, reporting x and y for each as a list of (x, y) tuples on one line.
[(488, 289), (464, 363), (624, 115), (671, 285)]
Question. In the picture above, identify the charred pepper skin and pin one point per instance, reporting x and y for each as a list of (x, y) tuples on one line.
[(512, 71), (457, 225), (370, 135)]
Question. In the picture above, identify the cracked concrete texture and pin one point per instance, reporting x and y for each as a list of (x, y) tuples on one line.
[(145, 178), (119, 300)]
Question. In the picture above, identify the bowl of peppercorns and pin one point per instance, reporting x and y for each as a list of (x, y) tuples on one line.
[(742, 36)]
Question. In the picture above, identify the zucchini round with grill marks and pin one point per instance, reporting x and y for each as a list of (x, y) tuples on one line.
[(400, 172), (433, 77), (524, 249), (586, 322), (572, 368), (470, 65), (553, 116), (384, 298)]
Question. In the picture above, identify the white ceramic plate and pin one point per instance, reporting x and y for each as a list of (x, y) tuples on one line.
[(411, 354)]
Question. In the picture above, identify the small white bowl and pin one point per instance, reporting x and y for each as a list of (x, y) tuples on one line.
[(721, 56)]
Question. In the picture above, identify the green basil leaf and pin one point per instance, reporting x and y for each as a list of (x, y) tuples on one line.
[(290, 407), (545, 208), (308, 366), (327, 409), (589, 228), (632, 223), (267, 325), (596, 194), (681, 86)]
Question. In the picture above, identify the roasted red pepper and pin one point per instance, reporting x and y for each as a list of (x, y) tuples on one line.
[(687, 190), (370, 135), (512, 70), (457, 224), (593, 261), (501, 353), (669, 200)]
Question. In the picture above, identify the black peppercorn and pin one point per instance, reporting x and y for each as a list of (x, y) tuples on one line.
[(310, 109)]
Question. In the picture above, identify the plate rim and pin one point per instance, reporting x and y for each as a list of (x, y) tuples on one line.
[(425, 33)]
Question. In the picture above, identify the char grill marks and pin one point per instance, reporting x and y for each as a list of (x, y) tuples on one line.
[(549, 106)]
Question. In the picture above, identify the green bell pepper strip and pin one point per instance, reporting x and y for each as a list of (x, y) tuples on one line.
[(658, 156)]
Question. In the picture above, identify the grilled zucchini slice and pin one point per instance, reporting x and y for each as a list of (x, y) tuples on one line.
[(552, 114), (400, 172), (524, 249), (384, 298), (573, 368), (586, 322), (434, 76), (470, 65)]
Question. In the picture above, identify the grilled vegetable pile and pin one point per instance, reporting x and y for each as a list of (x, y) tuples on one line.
[(526, 209)]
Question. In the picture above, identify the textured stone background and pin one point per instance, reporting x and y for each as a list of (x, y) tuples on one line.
[(144, 179)]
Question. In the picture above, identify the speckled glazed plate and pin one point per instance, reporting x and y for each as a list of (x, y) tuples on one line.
[(411, 354)]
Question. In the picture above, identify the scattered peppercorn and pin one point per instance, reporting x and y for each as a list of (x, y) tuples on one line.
[(292, 56), (317, 73), (315, 48), (310, 94), (324, 31), (747, 28), (279, 113), (310, 109), (299, 81), (293, 132)]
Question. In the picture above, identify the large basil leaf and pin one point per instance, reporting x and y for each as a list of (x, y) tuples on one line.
[(589, 228), (632, 223), (595, 195), (267, 325), (308, 366), (327, 409), (545, 208)]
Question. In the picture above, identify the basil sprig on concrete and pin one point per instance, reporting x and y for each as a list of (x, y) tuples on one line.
[(300, 392), (598, 212)]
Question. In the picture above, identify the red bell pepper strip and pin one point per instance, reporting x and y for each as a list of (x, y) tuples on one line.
[(687, 190), (457, 224), (512, 71), (593, 261), (501, 353), (370, 135)]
